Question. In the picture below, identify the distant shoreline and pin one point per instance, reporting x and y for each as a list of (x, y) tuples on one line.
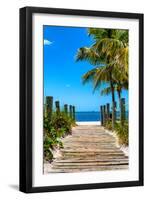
[(88, 123)]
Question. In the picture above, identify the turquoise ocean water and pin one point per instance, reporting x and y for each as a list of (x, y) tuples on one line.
[(91, 116)]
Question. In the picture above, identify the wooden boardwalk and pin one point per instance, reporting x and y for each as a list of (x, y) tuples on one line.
[(89, 148)]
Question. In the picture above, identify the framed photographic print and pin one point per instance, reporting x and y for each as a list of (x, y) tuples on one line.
[(81, 99)]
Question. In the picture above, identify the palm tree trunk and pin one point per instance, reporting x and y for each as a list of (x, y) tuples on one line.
[(119, 98), (120, 106), (113, 103)]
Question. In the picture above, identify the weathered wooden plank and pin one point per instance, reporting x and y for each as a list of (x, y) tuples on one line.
[(102, 167), (92, 151), (91, 161), (81, 165), (89, 148), (75, 157), (106, 168)]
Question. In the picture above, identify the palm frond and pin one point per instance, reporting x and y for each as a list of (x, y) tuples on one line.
[(106, 91), (102, 75), (88, 54), (87, 77), (123, 35), (121, 58), (110, 51), (107, 47), (97, 33)]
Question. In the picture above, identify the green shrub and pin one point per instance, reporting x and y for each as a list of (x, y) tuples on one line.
[(51, 142), (61, 121), (46, 124), (47, 146), (122, 132), (108, 125), (59, 126)]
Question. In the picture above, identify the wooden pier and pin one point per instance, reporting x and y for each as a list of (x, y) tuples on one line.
[(89, 148)]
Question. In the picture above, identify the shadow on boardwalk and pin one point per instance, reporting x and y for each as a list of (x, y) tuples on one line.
[(89, 148)]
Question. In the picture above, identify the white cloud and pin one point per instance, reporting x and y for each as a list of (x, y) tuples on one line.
[(47, 42)]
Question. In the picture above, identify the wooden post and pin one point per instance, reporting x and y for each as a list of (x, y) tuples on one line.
[(73, 112), (101, 113), (123, 111), (115, 116), (104, 114), (108, 111), (70, 111), (49, 107), (66, 109), (57, 105)]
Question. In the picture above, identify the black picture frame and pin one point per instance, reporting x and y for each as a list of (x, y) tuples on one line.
[(26, 170)]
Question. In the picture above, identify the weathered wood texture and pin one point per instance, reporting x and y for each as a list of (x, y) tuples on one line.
[(73, 112), (108, 111), (123, 111), (89, 148), (66, 108), (70, 111), (101, 111), (49, 107), (57, 105)]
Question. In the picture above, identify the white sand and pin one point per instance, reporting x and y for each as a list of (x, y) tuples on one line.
[(124, 148), (89, 123)]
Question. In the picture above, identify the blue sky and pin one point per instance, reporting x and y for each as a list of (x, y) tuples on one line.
[(62, 74)]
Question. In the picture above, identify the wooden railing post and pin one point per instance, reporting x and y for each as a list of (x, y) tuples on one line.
[(66, 109), (49, 107), (108, 111), (104, 114), (70, 111), (73, 112), (122, 111), (115, 111), (101, 112), (57, 105)]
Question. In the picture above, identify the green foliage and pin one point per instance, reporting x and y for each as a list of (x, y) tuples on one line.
[(89, 54), (47, 146), (59, 126), (108, 124), (61, 121), (109, 55), (122, 132), (46, 124)]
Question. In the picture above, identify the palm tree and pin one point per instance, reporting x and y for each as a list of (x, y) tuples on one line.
[(113, 44), (118, 88), (104, 52)]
